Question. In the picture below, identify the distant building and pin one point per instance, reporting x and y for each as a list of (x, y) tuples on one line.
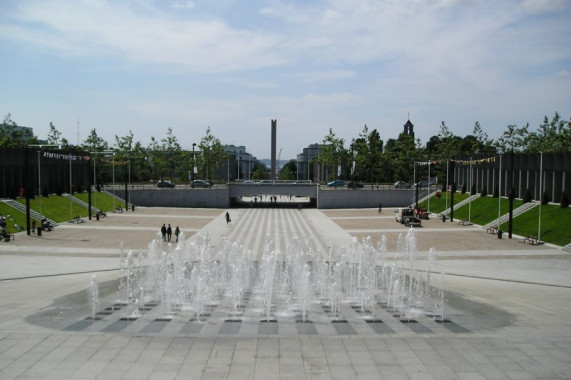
[(306, 163), (240, 163)]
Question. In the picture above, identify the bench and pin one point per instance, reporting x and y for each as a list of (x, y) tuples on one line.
[(531, 239), (492, 230)]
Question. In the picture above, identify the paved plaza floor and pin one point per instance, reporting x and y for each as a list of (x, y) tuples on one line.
[(506, 312)]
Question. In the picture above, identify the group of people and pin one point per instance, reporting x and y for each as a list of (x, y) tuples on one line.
[(166, 232)]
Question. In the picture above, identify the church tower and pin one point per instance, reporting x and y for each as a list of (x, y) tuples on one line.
[(409, 128)]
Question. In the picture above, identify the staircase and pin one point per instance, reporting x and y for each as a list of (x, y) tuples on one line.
[(460, 204), (521, 209), (33, 213), (81, 203)]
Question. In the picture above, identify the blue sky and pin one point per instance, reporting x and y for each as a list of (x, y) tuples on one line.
[(144, 66)]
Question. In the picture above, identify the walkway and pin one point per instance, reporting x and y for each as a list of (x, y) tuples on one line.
[(507, 301)]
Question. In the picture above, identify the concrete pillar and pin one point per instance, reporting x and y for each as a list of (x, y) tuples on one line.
[(273, 157)]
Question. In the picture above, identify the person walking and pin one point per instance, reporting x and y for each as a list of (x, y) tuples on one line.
[(176, 232), (169, 233), (164, 232), (228, 220)]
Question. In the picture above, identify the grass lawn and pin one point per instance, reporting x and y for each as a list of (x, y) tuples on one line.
[(13, 217), (100, 200), (57, 208), (485, 209), (439, 205), (554, 227)]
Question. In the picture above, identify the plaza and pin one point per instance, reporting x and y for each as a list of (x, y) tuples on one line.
[(507, 303)]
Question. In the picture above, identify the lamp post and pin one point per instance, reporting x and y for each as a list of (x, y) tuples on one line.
[(193, 172), (40, 171)]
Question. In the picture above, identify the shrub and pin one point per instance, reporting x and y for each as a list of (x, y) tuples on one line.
[(464, 189), (484, 191), (473, 190), (496, 192), (564, 200), (545, 198), (527, 196)]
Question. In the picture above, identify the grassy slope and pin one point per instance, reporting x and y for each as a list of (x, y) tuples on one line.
[(61, 209), (439, 205), (554, 227), (483, 210)]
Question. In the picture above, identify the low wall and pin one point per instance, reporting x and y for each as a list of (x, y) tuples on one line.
[(364, 198), (218, 198), (199, 198)]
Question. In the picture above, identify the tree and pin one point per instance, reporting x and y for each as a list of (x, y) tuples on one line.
[(513, 139), (54, 137), (286, 174), (291, 166), (212, 154), (332, 154), (172, 151), (14, 136), (368, 154), (94, 143), (551, 136), (260, 172), (484, 145)]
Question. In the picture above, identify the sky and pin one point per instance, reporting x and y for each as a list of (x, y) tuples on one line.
[(144, 66)]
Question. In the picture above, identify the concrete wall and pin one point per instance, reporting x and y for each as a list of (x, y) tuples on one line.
[(218, 198), (364, 198), (200, 198)]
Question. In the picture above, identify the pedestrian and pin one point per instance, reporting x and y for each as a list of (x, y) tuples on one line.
[(33, 226), (228, 220), (380, 207), (176, 232), (169, 232), (164, 232)]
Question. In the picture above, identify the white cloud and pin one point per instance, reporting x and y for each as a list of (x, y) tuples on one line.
[(184, 5), (141, 35)]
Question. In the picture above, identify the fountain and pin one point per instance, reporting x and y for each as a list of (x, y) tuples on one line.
[(196, 276), (94, 296)]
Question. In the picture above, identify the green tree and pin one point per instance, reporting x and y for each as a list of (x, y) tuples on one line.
[(54, 137), (368, 155), (156, 159), (513, 139), (332, 154), (552, 136), (286, 174), (14, 136), (172, 152), (260, 172), (212, 155), (291, 167), (94, 143)]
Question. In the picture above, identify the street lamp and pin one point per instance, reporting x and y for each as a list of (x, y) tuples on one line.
[(193, 166)]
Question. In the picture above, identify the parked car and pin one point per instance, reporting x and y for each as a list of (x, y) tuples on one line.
[(336, 183), (165, 184), (354, 185), (201, 183), (422, 184), (402, 185)]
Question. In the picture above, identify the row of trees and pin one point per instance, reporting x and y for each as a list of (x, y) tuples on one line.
[(374, 160)]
